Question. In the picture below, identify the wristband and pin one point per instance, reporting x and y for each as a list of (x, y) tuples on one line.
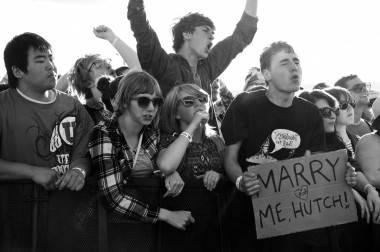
[(82, 171), (115, 40), (187, 135), (237, 182), (367, 188)]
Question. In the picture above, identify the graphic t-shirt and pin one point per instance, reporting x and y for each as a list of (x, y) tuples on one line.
[(269, 132), (48, 135)]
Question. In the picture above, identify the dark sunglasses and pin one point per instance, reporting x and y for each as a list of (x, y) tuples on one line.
[(144, 102), (344, 105), (189, 101), (361, 88), (327, 112)]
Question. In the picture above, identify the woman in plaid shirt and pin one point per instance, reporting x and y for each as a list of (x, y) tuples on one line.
[(126, 145)]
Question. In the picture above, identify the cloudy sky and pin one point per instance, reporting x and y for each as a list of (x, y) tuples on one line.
[(331, 37)]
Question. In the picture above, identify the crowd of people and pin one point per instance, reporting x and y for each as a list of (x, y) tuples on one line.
[(168, 115)]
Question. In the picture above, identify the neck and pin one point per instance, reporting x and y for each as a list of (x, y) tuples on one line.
[(358, 112), (42, 96), (341, 130), (281, 99), (128, 126), (190, 57)]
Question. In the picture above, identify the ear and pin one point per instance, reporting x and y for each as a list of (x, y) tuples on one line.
[(186, 35), (267, 75), (17, 72)]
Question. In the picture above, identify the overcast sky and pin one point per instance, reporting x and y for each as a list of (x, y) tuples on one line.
[(331, 37)]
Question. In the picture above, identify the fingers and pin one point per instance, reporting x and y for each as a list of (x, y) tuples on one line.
[(210, 180), (72, 180), (307, 153)]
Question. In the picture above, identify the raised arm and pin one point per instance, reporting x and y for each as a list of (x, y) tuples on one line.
[(226, 50), (126, 52), (251, 8), (152, 56)]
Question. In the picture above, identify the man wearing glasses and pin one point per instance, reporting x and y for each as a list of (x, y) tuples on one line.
[(359, 92)]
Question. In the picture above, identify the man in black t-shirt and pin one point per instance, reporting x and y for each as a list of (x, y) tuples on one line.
[(265, 126)]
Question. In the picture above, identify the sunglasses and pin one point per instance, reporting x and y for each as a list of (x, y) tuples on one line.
[(144, 102), (327, 112), (344, 105), (99, 64), (361, 88), (189, 101)]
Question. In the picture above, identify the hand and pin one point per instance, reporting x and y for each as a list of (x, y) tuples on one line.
[(362, 204), (210, 179), (373, 202), (72, 179), (200, 117), (177, 219), (104, 32), (174, 184), (351, 175), (250, 184), (45, 177)]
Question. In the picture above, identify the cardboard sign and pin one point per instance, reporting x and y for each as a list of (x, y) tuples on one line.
[(302, 194)]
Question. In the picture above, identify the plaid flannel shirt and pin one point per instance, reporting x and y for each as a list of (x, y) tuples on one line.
[(112, 159)]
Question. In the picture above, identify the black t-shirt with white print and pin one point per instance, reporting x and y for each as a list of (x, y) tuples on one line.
[(269, 132)]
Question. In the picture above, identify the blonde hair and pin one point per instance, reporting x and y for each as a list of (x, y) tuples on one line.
[(169, 123)]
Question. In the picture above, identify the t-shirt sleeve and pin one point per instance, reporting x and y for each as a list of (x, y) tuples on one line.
[(235, 124)]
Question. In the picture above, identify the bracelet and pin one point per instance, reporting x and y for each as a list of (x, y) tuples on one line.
[(187, 135), (115, 40), (237, 182), (82, 171), (367, 187)]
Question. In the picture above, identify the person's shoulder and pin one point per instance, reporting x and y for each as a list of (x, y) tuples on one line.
[(305, 105), (251, 96), (369, 140)]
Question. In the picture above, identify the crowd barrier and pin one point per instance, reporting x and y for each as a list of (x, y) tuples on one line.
[(33, 219)]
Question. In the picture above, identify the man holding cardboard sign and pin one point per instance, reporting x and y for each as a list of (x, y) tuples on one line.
[(266, 126)]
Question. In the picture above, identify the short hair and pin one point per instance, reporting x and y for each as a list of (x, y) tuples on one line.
[(342, 82), (339, 92), (16, 53), (252, 78), (188, 24), (134, 83), (169, 123), (79, 76), (320, 86), (270, 51), (317, 94)]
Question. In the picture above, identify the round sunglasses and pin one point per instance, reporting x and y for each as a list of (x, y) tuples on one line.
[(344, 105), (327, 112), (189, 101), (144, 101)]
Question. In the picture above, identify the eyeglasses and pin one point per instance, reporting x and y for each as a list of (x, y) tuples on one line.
[(344, 105), (361, 88), (97, 64), (327, 112), (144, 102), (189, 101)]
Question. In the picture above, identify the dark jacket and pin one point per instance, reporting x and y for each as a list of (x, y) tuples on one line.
[(173, 69)]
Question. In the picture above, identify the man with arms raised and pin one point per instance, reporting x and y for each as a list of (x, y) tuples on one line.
[(194, 60)]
